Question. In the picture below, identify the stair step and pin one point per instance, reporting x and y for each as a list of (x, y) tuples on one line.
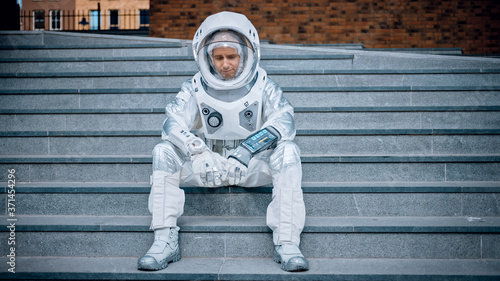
[(223, 237), (223, 224), (300, 132), (324, 109), (94, 51), (90, 46), (276, 72), (142, 159), (308, 187), (413, 88), (292, 78), (362, 142), (121, 268), (190, 58), (161, 63), (322, 199), (62, 40), (398, 60), (303, 97), (436, 51), (315, 168), (48, 44), (303, 121), (97, 66)]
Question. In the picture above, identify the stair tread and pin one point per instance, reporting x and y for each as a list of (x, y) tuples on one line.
[(304, 109), (292, 72), (300, 132), (258, 224), (351, 187), (97, 46), (284, 88), (189, 58), (306, 158), (116, 268)]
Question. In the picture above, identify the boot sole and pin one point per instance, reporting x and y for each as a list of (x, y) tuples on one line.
[(277, 258), (174, 257)]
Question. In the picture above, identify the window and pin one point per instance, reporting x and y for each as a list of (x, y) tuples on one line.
[(39, 20), (143, 19), (94, 20), (55, 20), (114, 19)]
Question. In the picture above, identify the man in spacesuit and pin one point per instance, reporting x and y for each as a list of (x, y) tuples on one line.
[(244, 129)]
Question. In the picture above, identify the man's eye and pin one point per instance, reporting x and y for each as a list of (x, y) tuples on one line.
[(218, 57)]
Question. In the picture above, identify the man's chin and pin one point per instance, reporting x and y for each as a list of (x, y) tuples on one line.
[(227, 75)]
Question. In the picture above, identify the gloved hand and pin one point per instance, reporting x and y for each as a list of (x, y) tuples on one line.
[(236, 172), (207, 167)]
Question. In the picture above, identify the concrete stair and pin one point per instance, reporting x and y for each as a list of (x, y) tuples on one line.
[(400, 154)]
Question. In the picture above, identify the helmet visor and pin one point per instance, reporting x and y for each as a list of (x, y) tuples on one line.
[(226, 57)]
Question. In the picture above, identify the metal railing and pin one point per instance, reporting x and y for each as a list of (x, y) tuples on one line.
[(85, 20)]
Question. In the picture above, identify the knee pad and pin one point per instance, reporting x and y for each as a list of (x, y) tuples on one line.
[(167, 157)]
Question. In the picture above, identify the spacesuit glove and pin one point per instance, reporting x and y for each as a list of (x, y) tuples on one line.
[(207, 168), (236, 172)]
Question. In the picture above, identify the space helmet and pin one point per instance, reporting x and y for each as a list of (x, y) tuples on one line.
[(227, 29)]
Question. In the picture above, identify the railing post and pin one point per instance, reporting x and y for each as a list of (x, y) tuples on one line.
[(77, 19), (98, 16)]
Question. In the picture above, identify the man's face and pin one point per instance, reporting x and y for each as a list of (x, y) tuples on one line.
[(226, 60)]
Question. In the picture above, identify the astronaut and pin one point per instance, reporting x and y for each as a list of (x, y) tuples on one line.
[(228, 125)]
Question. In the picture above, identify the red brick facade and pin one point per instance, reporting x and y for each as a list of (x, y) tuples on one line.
[(473, 26)]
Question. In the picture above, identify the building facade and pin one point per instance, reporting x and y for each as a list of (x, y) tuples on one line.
[(85, 14), (473, 26)]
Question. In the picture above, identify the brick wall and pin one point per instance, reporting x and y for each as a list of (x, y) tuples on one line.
[(473, 26)]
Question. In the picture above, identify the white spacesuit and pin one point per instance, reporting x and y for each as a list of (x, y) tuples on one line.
[(228, 125)]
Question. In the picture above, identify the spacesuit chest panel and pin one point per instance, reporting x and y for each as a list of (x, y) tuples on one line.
[(230, 120)]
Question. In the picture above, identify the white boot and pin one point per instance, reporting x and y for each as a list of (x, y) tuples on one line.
[(165, 249), (290, 257)]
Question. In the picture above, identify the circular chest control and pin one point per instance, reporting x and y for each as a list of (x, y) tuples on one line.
[(214, 120)]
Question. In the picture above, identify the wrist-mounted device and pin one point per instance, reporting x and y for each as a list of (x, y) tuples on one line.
[(257, 142), (188, 143)]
